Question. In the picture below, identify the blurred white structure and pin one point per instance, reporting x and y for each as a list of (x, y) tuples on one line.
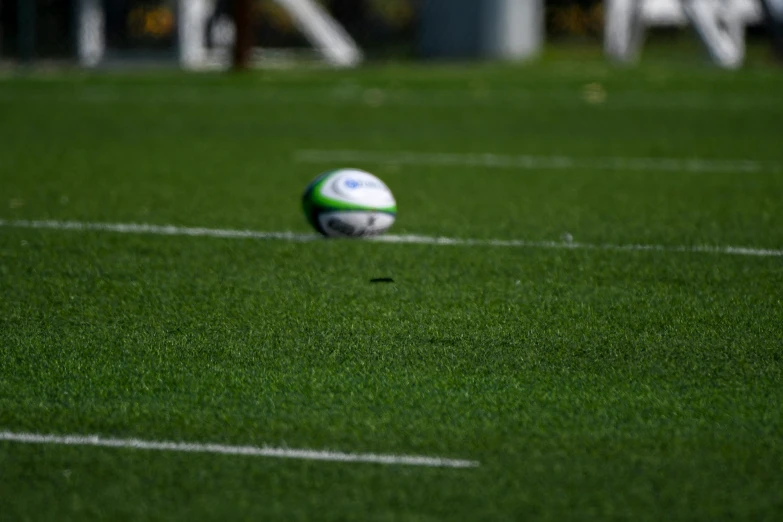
[(503, 29), (91, 28), (514, 28), (335, 46), (719, 23)]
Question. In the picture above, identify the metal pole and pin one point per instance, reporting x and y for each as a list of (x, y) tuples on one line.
[(191, 38), (243, 14), (90, 38)]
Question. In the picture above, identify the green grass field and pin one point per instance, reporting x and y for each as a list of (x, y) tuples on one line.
[(590, 383)]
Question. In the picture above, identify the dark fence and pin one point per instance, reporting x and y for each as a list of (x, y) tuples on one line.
[(45, 29)]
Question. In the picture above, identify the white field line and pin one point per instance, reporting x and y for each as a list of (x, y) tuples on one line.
[(525, 162), (247, 451), (170, 230), (157, 230)]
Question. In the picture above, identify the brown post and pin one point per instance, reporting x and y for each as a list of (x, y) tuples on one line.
[(243, 18)]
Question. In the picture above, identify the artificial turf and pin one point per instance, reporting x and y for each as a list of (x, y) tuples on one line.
[(589, 384)]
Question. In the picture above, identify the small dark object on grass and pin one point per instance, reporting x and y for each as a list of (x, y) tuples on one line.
[(381, 280)]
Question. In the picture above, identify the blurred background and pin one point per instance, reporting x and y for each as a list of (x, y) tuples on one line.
[(202, 33)]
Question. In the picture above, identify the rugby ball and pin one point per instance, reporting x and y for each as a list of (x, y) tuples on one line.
[(349, 203)]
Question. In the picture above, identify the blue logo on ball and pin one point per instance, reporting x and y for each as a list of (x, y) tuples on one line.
[(352, 183)]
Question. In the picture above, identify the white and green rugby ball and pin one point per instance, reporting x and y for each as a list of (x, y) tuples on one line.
[(349, 203)]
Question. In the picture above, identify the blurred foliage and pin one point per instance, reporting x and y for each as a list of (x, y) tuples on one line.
[(151, 21), (574, 18)]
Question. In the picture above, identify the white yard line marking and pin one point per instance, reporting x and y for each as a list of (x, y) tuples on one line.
[(170, 230), (515, 243), (157, 230), (247, 451), (501, 161)]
